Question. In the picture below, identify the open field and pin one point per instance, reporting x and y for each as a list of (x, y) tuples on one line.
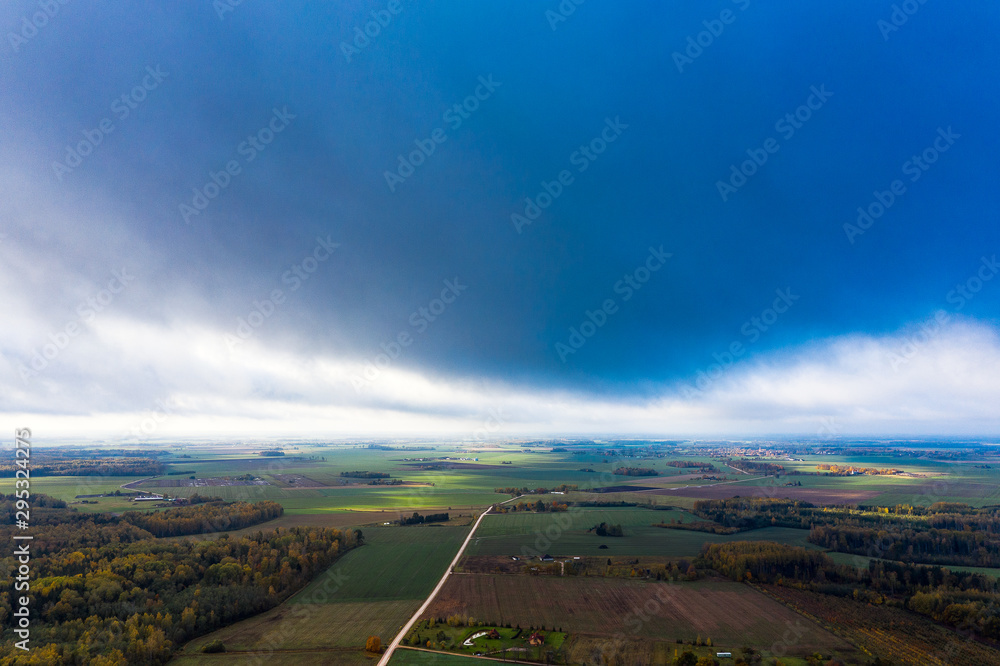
[(396, 563), (372, 590), (731, 614), (565, 534)]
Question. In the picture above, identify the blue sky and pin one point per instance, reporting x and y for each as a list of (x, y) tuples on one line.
[(266, 310)]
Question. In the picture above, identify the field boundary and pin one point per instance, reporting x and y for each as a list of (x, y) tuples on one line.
[(384, 661)]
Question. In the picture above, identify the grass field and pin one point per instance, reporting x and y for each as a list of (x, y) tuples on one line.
[(410, 657), (565, 534), (372, 590), (731, 614)]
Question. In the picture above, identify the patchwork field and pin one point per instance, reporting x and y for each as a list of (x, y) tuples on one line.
[(731, 614)]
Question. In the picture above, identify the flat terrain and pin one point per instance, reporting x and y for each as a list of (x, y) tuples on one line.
[(814, 495), (372, 590), (890, 633), (409, 657), (565, 534), (731, 614)]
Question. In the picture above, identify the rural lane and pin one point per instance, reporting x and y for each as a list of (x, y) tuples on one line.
[(420, 611)]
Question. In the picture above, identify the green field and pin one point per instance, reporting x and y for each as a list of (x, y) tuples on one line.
[(508, 534), (372, 590), (396, 563)]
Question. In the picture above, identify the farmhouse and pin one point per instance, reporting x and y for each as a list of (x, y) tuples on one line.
[(536, 639), (149, 498)]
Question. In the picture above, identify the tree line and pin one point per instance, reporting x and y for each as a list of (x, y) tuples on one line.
[(943, 533), (417, 519), (210, 517), (93, 467)]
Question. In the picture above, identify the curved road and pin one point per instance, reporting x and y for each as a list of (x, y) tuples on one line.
[(406, 628)]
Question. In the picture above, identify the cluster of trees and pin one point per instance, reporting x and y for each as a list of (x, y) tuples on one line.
[(929, 546), (606, 530), (691, 464), (213, 517), (516, 492), (366, 475), (837, 470), (699, 526), (538, 506), (386, 482), (747, 513), (764, 561), (93, 467), (107, 592), (636, 471), (417, 519), (755, 467)]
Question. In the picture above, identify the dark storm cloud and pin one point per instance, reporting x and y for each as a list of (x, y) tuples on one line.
[(537, 95)]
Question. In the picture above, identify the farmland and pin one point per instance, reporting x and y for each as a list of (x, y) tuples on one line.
[(371, 591), (890, 633), (566, 534), (374, 589), (729, 614)]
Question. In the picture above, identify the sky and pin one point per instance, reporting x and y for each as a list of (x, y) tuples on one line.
[(728, 218)]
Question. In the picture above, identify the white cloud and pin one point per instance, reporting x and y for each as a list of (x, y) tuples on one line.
[(181, 380)]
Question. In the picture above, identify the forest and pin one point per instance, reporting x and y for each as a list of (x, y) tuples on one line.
[(636, 471), (943, 533), (107, 592), (92, 467), (209, 517)]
